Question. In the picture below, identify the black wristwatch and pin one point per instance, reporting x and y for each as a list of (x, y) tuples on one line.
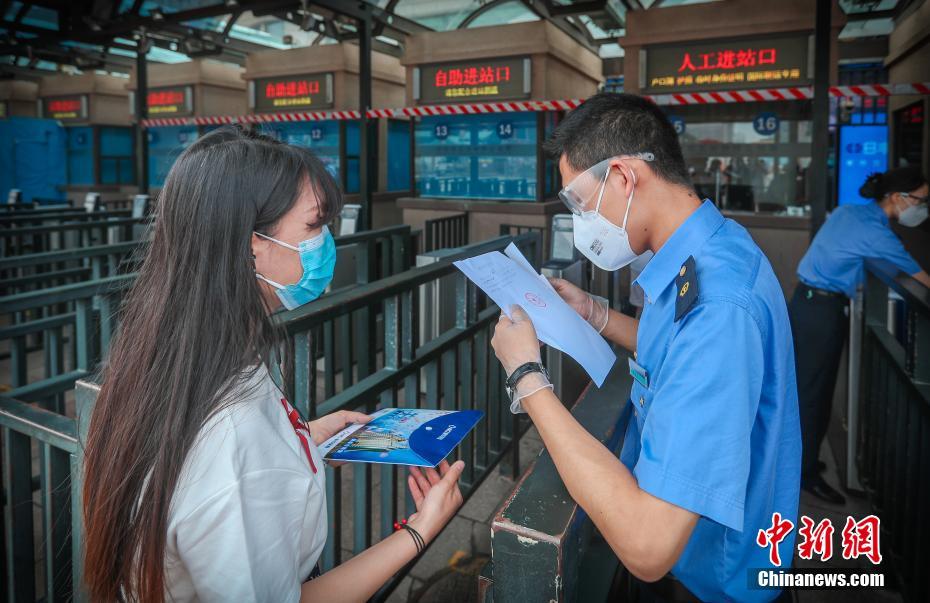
[(522, 371)]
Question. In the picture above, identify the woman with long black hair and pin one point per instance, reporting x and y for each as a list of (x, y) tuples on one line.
[(201, 481), (829, 273)]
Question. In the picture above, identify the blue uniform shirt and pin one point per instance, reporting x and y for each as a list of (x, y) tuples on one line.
[(852, 234), (716, 427)]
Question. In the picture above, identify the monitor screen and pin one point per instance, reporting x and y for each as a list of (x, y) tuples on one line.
[(863, 150)]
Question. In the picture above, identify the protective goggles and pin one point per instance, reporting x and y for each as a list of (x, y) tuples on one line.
[(916, 198), (583, 191)]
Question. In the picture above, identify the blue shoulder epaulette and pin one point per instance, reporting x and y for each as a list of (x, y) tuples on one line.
[(686, 285)]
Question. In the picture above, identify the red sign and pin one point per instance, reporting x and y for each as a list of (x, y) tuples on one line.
[(167, 97), (292, 88), (65, 107), (293, 93), (490, 78), (727, 64), (472, 76), (729, 59), (170, 101)]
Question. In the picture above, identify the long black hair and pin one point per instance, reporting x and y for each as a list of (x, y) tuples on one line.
[(192, 325), (897, 180)]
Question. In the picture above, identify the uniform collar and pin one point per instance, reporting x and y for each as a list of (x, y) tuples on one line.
[(878, 211), (685, 241)]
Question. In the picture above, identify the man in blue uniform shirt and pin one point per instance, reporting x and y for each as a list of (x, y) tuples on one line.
[(713, 449)]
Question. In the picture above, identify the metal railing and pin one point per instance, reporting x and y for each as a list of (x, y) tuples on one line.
[(28, 272), (893, 455), (514, 230), (543, 544), (21, 426), (453, 371), (82, 316), (34, 206), (49, 237), (22, 219), (443, 233), (458, 367)]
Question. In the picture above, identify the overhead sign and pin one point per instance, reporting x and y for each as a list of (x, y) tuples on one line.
[(292, 93), (733, 64), (65, 108), (176, 100), (506, 78)]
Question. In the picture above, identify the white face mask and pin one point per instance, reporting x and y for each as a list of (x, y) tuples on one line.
[(912, 215), (600, 240)]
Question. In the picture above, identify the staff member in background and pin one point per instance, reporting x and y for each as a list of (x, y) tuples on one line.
[(829, 273), (202, 483), (713, 447)]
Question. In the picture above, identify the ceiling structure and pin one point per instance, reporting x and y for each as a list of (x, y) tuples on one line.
[(78, 35)]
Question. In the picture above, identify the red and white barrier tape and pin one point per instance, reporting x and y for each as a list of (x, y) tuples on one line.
[(249, 118), (680, 98)]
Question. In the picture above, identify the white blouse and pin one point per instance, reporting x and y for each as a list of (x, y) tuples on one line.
[(247, 521)]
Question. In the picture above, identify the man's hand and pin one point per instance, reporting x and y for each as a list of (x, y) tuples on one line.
[(592, 309), (326, 427), (572, 295), (515, 341)]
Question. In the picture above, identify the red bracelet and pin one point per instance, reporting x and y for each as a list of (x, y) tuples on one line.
[(417, 537)]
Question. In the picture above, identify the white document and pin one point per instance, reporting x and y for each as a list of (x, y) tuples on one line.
[(510, 280)]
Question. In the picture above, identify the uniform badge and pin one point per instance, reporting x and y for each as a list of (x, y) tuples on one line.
[(686, 288)]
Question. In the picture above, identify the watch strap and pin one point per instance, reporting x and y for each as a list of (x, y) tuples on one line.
[(521, 371)]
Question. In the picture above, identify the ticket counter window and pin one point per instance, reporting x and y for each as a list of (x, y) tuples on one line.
[(117, 163), (80, 154), (165, 144), (744, 169), (322, 137), (490, 156), (398, 155)]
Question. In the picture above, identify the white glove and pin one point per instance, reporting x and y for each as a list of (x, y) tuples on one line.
[(527, 386), (597, 314)]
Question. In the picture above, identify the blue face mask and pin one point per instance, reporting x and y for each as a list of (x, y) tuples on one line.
[(318, 258)]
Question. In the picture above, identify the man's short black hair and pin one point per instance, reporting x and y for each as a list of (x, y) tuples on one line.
[(610, 124)]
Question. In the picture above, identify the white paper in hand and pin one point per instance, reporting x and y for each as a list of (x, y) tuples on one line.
[(510, 280)]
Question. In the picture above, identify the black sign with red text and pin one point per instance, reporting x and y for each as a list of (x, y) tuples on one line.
[(293, 93), (727, 65), (65, 108), (486, 79), (177, 101)]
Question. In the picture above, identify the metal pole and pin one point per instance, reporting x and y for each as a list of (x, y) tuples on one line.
[(367, 172), (820, 142), (142, 93)]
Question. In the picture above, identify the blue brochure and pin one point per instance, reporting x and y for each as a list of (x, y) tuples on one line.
[(402, 436)]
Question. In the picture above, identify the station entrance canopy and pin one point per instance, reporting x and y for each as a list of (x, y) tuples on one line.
[(41, 36)]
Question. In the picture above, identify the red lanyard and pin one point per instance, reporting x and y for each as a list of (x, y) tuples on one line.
[(300, 428)]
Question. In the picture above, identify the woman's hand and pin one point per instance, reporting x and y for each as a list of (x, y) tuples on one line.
[(327, 426), (515, 341), (436, 495)]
